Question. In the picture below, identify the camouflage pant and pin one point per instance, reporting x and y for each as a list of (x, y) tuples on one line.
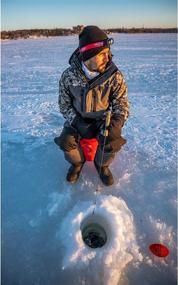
[(68, 142)]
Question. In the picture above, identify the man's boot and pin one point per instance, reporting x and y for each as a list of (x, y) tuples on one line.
[(105, 175), (74, 172)]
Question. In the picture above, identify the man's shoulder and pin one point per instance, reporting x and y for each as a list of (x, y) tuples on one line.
[(67, 72), (67, 75), (117, 77)]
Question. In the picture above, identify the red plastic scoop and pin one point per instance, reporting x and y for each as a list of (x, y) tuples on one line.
[(89, 147), (159, 249)]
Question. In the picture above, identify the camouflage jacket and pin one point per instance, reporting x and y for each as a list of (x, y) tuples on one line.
[(91, 98)]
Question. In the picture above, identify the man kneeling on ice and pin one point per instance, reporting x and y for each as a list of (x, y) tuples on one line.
[(87, 90)]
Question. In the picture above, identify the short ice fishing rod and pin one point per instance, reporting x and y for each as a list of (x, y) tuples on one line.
[(105, 134)]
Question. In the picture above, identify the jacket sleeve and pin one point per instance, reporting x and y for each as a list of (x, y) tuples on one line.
[(120, 105), (119, 98), (64, 99)]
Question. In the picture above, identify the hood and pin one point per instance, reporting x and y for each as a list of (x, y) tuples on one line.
[(76, 62), (75, 59)]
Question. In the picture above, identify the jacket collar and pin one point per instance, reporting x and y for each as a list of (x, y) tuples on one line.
[(76, 62), (89, 74)]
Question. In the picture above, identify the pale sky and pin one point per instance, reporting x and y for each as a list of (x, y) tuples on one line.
[(26, 14)]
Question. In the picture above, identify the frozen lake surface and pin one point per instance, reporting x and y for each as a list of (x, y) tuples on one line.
[(41, 212)]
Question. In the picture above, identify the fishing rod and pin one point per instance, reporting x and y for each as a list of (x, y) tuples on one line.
[(105, 134)]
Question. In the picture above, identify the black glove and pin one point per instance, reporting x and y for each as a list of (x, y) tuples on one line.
[(71, 136), (114, 130), (85, 127), (116, 127)]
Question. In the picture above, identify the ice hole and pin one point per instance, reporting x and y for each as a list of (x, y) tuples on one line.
[(94, 231)]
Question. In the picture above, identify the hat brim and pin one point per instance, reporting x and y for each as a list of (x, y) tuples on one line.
[(91, 53)]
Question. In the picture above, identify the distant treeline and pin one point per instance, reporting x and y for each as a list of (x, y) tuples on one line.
[(143, 30), (35, 33), (12, 35)]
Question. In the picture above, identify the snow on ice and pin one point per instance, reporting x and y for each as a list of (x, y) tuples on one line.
[(120, 248)]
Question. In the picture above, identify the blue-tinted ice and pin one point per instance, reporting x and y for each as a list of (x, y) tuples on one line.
[(35, 197)]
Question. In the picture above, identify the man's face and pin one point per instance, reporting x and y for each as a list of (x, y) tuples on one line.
[(99, 61)]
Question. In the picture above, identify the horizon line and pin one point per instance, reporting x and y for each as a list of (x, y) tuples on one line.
[(142, 27)]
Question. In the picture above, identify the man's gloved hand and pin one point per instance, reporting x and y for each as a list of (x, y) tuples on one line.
[(85, 128), (114, 130), (116, 127), (100, 123)]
